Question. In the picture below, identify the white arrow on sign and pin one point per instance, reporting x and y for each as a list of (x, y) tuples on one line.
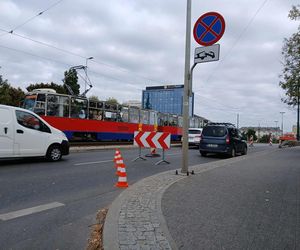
[(207, 54)]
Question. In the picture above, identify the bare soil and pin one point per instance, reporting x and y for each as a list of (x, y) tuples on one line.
[(95, 241)]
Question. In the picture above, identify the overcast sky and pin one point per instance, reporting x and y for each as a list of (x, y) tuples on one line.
[(139, 43)]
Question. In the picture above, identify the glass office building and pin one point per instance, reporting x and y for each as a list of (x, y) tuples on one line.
[(166, 99)]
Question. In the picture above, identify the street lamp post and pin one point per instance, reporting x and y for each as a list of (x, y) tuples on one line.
[(281, 121), (276, 131), (86, 76)]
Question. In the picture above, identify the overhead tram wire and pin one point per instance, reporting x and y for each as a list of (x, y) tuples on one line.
[(236, 41), (81, 56), (31, 18), (66, 64)]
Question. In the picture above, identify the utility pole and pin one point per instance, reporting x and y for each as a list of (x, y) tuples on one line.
[(276, 129), (281, 121), (237, 121), (298, 99), (184, 168)]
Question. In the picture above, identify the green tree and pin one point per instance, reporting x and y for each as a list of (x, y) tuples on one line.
[(251, 132), (10, 95), (290, 78), (94, 98), (264, 139), (71, 79), (58, 88), (112, 100)]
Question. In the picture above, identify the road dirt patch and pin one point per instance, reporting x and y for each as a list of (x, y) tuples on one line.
[(95, 242)]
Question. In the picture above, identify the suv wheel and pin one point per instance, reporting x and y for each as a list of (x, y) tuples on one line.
[(54, 153), (203, 153), (244, 151)]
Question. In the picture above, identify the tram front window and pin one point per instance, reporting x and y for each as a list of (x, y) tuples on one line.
[(29, 102)]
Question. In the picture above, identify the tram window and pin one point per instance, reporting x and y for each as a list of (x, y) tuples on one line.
[(93, 104), (58, 105), (41, 98), (160, 121), (172, 120), (124, 114), (100, 105), (180, 121), (153, 118), (78, 108), (145, 116), (134, 115), (95, 114), (40, 104), (29, 102), (52, 105)]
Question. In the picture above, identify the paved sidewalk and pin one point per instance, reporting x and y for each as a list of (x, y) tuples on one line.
[(135, 219)]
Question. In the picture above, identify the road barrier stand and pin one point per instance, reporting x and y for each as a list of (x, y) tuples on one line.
[(153, 140)]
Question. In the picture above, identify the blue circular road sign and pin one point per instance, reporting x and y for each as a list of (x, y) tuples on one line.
[(209, 28)]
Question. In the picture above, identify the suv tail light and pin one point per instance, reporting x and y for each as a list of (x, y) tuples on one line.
[(227, 139), (200, 136)]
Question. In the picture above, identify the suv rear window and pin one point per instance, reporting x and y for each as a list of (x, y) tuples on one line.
[(215, 131), (194, 131)]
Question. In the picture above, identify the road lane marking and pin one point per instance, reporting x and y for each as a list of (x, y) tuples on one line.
[(28, 211), (92, 162)]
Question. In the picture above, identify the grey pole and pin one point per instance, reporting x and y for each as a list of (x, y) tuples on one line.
[(276, 131), (298, 110), (281, 121), (184, 168)]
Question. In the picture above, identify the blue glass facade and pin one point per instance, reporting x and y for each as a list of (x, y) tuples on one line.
[(166, 99)]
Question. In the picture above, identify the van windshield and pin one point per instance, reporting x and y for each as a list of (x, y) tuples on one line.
[(215, 131)]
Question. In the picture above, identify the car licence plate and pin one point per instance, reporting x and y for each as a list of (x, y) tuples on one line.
[(212, 145)]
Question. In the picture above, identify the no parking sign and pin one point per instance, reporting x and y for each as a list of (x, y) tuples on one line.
[(209, 28)]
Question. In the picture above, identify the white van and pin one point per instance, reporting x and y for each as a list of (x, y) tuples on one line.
[(25, 134)]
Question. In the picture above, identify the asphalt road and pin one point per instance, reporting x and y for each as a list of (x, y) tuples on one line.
[(61, 199), (249, 204)]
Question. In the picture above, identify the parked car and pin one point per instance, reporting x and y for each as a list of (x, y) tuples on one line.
[(222, 138), (25, 134), (194, 136)]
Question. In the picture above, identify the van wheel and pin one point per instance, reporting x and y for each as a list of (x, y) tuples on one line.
[(54, 153), (203, 153), (244, 151)]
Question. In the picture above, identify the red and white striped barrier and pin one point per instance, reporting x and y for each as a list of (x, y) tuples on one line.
[(152, 139)]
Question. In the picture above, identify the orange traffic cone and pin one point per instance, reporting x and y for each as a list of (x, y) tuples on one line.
[(122, 180), (117, 157)]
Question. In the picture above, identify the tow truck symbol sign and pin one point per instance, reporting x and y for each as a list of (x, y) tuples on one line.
[(207, 54), (204, 54)]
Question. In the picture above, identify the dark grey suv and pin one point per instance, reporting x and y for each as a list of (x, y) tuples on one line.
[(222, 138)]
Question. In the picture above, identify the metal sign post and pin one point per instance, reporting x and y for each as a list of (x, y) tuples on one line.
[(185, 146), (208, 29)]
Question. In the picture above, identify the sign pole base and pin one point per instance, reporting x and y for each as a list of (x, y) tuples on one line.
[(140, 156), (163, 159)]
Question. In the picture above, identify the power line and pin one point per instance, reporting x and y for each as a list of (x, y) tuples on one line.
[(81, 56), (31, 18), (66, 64)]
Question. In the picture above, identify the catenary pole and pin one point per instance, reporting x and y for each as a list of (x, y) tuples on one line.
[(184, 168)]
